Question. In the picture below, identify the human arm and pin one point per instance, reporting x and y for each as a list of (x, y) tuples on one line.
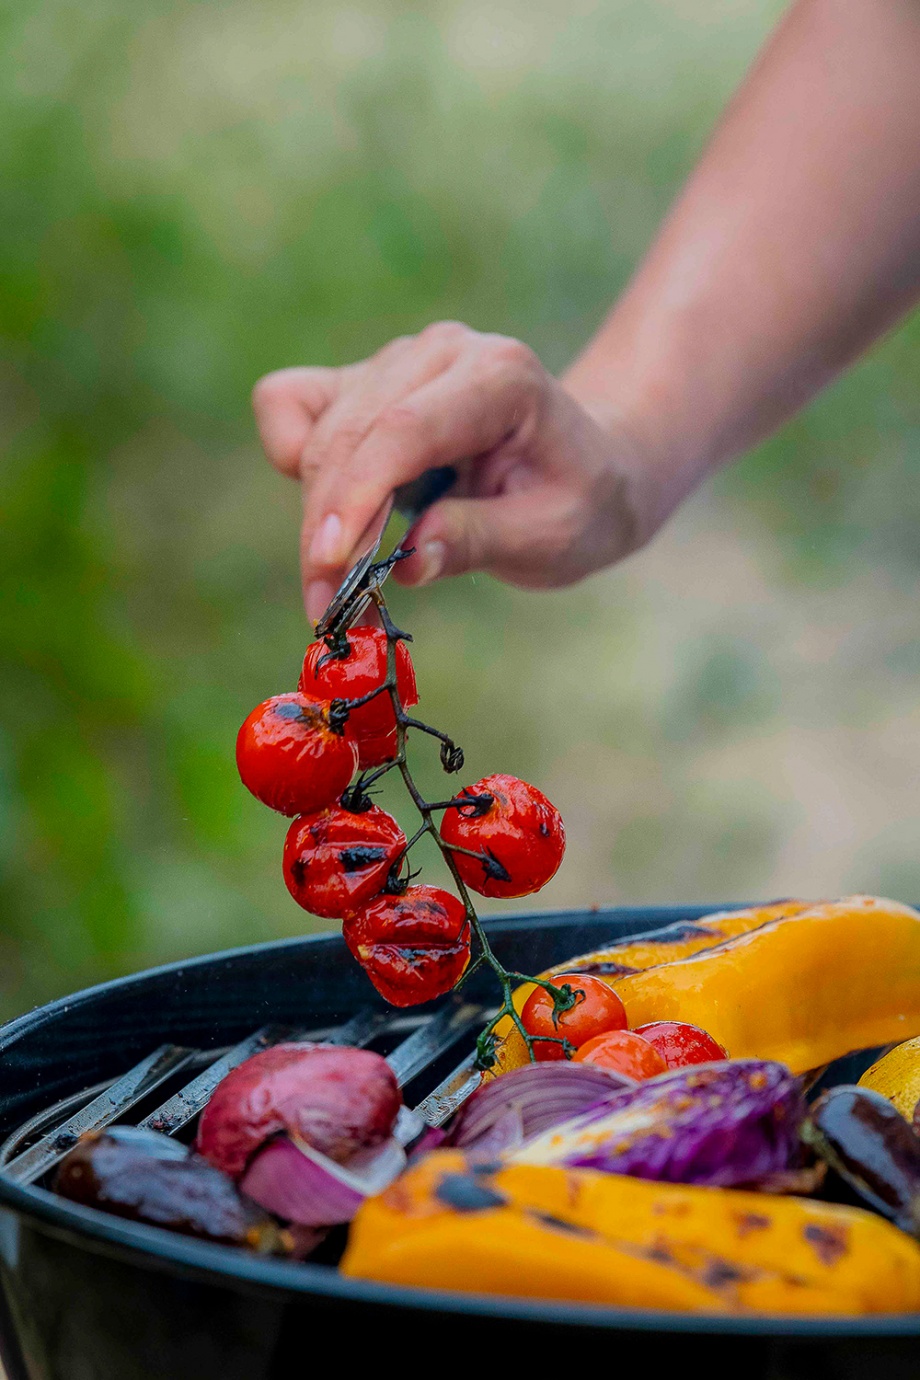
[(794, 244)]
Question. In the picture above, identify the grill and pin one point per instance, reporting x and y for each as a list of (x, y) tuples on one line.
[(33, 1150), (87, 1296)]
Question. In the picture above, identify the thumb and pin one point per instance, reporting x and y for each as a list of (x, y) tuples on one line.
[(514, 536)]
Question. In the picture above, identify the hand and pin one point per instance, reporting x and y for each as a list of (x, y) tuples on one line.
[(547, 493)]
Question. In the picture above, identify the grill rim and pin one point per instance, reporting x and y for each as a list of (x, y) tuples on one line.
[(648, 917), (150, 1247), (155, 1248)]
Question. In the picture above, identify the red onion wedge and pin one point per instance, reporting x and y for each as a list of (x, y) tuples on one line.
[(728, 1123), (432, 1139), (338, 1099), (299, 1184), (504, 1113)]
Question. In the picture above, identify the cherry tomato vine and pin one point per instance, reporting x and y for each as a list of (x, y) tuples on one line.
[(452, 759), (343, 856)]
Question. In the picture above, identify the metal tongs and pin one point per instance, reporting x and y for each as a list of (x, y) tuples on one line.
[(368, 573)]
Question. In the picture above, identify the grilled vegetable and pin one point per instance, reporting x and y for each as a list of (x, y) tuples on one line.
[(735, 1122), (775, 992), (414, 946), (596, 1009), (680, 1044), (636, 954), (306, 1130), (503, 1114), (337, 859), (292, 758), (337, 1100), (622, 1051), (297, 1183), (355, 667), (897, 1077), (516, 831), (604, 1238), (677, 941), (866, 1140), (148, 1177)]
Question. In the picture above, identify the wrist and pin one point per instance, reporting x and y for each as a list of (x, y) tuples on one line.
[(662, 468)]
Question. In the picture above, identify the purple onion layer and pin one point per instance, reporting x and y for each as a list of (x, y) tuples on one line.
[(728, 1123)]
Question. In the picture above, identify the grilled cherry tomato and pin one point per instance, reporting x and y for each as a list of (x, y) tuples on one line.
[(290, 757), (518, 832), (335, 860), (624, 1051), (680, 1044), (597, 1010), (348, 677), (413, 947)]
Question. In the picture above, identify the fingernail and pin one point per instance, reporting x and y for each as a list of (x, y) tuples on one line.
[(319, 596), (327, 538), (433, 555)]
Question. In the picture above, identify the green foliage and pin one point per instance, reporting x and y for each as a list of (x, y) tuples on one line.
[(196, 193)]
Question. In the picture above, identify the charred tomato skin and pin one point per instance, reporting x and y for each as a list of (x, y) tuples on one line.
[(336, 1098), (413, 947), (625, 1052), (372, 727), (335, 860), (598, 1010), (680, 1044), (290, 758), (520, 834)]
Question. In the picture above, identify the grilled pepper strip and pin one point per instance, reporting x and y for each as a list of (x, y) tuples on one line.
[(897, 1076), (606, 1238), (635, 955), (803, 989), (680, 940)]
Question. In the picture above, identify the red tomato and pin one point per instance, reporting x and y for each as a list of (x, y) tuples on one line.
[(336, 860), (624, 1051), (680, 1044), (413, 947), (518, 831), (290, 758), (598, 1009), (373, 726)]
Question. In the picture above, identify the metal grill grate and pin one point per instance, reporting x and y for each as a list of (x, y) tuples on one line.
[(37, 1146)]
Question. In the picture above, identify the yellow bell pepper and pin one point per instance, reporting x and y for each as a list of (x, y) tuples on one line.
[(805, 987), (614, 961), (600, 1238), (897, 1076)]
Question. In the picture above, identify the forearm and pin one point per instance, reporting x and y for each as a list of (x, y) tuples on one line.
[(794, 244)]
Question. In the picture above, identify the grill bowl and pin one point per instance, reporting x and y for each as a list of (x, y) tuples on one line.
[(87, 1296)]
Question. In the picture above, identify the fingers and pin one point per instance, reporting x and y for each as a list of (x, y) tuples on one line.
[(377, 384), (447, 396), (287, 405), (488, 394)]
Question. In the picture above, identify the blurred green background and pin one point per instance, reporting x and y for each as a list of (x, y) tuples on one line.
[(196, 192)]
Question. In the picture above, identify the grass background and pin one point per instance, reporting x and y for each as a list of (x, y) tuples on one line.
[(194, 193)]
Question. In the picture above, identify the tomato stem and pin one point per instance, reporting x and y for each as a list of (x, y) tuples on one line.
[(479, 802), (427, 728), (365, 781)]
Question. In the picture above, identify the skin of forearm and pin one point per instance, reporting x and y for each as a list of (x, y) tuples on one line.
[(794, 244)]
